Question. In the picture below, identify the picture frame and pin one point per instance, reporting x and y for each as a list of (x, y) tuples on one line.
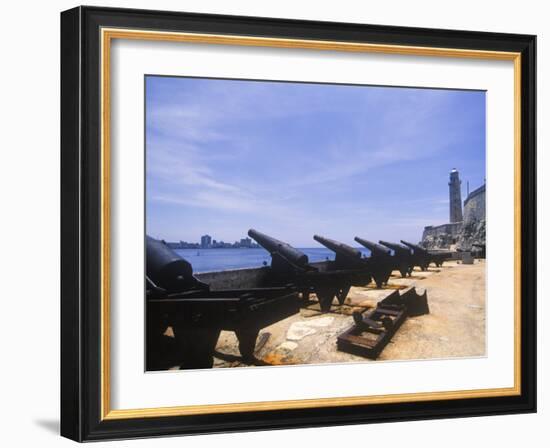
[(86, 209)]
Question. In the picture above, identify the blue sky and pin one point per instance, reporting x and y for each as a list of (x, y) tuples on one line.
[(295, 159)]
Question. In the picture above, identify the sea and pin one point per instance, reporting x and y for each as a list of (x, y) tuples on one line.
[(208, 260)]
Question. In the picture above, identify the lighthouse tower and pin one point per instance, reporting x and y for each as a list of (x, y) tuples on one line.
[(455, 198)]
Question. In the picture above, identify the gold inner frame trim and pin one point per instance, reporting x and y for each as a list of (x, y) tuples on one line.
[(107, 35)]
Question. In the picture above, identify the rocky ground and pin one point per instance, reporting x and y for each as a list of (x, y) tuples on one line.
[(455, 326)]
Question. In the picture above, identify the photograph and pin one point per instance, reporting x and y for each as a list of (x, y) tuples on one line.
[(298, 223), (274, 222)]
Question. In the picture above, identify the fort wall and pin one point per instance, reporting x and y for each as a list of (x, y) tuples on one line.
[(442, 236), (464, 235), (473, 228), (474, 206)]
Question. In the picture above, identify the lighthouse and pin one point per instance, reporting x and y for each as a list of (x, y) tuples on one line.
[(455, 198)]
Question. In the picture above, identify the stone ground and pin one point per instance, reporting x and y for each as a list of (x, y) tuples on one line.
[(455, 326)]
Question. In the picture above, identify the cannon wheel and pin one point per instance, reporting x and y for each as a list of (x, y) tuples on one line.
[(342, 294), (326, 296)]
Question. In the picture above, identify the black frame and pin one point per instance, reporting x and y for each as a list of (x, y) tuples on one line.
[(80, 223)]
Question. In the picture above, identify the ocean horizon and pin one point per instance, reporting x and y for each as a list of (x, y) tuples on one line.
[(208, 260)]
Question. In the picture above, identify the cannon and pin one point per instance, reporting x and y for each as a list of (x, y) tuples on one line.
[(421, 257), (285, 259), (404, 261), (479, 250), (291, 266), (165, 267), (438, 258), (350, 258), (346, 256), (195, 314), (426, 257), (381, 260)]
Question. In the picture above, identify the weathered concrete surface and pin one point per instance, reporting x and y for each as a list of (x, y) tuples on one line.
[(234, 278), (455, 326), (242, 278)]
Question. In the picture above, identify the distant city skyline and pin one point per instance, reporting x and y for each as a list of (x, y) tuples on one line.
[(295, 159), (208, 242)]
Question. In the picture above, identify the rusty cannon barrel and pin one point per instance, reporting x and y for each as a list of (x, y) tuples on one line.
[(421, 257), (403, 257), (381, 261), (397, 248), (339, 248), (375, 249), (429, 257), (415, 247), (166, 269), (348, 260), (280, 248)]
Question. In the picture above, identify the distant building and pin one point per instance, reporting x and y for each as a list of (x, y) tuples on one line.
[(246, 242), (206, 241)]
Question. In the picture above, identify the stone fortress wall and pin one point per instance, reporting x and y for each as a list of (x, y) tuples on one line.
[(473, 226), (442, 236), (462, 235), (474, 206)]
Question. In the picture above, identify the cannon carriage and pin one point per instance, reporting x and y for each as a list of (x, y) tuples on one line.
[(424, 257), (350, 259), (195, 314), (327, 280), (420, 256), (381, 260), (403, 257)]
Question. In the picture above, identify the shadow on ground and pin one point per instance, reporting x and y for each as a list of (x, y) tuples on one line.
[(51, 426)]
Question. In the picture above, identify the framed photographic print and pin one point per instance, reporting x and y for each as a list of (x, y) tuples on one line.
[(272, 223)]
